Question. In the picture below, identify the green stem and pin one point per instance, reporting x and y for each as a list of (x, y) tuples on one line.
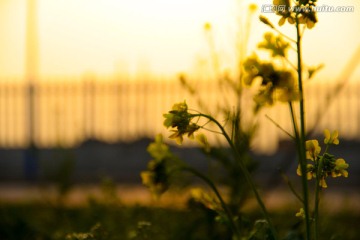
[(218, 195), (297, 135), (284, 35), (294, 122), (302, 156), (317, 201), (317, 195), (245, 172), (278, 126), (287, 181)]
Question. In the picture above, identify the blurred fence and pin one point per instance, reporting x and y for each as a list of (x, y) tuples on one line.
[(70, 111)]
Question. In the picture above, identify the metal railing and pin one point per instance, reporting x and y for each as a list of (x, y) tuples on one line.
[(70, 111)]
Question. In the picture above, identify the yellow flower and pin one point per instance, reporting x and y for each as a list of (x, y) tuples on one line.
[(201, 138), (177, 137), (282, 9), (340, 168), (277, 46), (156, 177), (331, 138), (158, 149), (178, 115), (181, 107), (253, 7), (191, 129), (206, 199), (146, 177), (289, 17), (322, 183), (207, 26), (169, 119), (288, 94), (251, 66), (309, 171), (301, 213), (180, 120), (149, 180), (309, 19), (312, 149), (264, 96)]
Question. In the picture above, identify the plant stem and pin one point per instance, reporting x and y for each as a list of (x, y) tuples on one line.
[(317, 194), (218, 195), (286, 179), (284, 35), (246, 174), (278, 126), (302, 156), (317, 201), (294, 122)]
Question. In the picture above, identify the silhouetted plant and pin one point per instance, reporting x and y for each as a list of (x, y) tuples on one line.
[(232, 107), (274, 83)]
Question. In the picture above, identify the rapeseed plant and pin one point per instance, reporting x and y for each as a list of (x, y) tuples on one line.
[(274, 84)]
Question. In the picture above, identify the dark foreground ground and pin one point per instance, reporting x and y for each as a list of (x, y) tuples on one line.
[(109, 221), (94, 192)]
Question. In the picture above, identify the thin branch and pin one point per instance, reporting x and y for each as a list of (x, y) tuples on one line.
[(288, 182), (218, 195), (284, 35), (278, 126), (246, 174), (290, 63), (207, 129)]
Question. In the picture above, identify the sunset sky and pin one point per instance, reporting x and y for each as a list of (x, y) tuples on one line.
[(150, 39), (158, 37)]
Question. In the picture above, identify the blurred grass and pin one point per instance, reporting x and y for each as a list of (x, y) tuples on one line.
[(36, 220)]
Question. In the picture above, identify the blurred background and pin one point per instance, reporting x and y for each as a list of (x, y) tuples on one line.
[(84, 84)]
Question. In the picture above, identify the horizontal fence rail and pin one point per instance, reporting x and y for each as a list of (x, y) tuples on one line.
[(67, 112)]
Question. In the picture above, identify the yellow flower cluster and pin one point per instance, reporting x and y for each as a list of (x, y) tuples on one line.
[(312, 149), (179, 119), (303, 10), (275, 44), (156, 176), (323, 165), (301, 213), (209, 201), (331, 138), (275, 84)]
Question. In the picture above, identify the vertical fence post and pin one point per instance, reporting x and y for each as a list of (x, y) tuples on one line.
[(137, 111), (31, 160)]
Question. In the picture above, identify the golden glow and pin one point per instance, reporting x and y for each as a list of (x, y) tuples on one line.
[(12, 32), (153, 36), (140, 38), (88, 35)]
